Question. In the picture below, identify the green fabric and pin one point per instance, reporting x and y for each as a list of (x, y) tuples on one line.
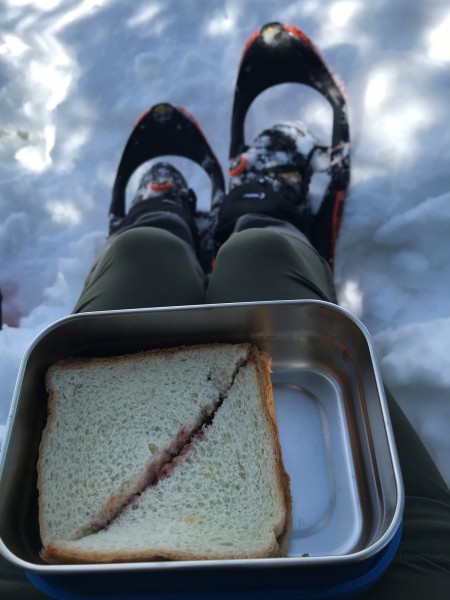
[(147, 267), (421, 567), (14, 584), (151, 267), (137, 271), (261, 264)]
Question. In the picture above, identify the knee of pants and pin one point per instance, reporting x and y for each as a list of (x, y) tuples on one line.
[(142, 267), (153, 254), (256, 244), (261, 264), (141, 242)]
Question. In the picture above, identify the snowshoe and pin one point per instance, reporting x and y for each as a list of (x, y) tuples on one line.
[(167, 130), (279, 53)]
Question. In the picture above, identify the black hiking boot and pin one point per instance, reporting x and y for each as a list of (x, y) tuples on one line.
[(271, 177), (161, 189)]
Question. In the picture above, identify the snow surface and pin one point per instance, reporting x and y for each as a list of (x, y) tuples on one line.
[(75, 75)]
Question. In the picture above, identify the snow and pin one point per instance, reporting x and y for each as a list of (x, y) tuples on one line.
[(74, 77)]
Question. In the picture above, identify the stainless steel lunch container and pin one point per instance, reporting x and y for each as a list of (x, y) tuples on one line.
[(335, 432)]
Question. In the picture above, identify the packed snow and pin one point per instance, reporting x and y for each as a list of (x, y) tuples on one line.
[(75, 75)]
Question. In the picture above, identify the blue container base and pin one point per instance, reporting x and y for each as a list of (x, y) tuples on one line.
[(338, 583)]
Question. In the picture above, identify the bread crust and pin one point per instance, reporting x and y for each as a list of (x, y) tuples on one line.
[(283, 479), (55, 552)]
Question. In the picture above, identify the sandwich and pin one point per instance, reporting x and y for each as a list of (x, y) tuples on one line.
[(171, 454)]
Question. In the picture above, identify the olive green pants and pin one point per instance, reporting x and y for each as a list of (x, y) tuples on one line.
[(150, 267)]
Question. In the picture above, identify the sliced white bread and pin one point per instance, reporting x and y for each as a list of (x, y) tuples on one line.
[(226, 497), (112, 423)]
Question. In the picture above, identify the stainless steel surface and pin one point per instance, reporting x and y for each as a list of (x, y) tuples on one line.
[(334, 426)]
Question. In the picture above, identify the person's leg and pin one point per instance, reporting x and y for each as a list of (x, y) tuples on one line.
[(14, 584), (150, 258), (142, 268), (421, 567), (265, 221)]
